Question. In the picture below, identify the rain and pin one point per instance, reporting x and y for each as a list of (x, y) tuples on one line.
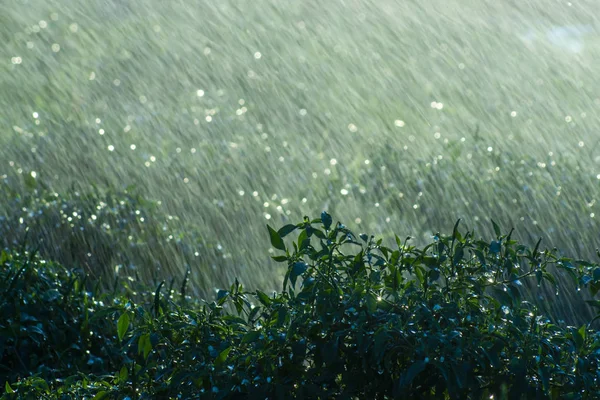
[(397, 117)]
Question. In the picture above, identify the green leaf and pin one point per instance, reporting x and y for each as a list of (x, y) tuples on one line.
[(537, 246), (480, 257), (371, 303), (395, 257), (123, 374), (279, 258), (455, 233), (222, 294), (298, 268), (458, 255), (101, 395), (276, 240), (263, 298), (583, 332), (3, 257), (496, 229), (281, 315), (398, 241), (495, 246), (144, 345), (538, 276), (253, 314), (251, 336), (222, 357), (303, 239), (326, 219), (286, 230), (7, 387), (412, 372), (157, 299), (578, 337), (122, 325)]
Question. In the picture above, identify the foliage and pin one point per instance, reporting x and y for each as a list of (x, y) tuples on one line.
[(355, 319), (106, 233)]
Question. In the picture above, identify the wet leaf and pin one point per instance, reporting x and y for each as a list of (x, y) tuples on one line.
[(276, 240), (122, 325)]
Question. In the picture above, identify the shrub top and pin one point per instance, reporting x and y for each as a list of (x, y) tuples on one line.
[(354, 319)]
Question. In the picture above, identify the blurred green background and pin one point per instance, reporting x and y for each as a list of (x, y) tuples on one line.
[(176, 130)]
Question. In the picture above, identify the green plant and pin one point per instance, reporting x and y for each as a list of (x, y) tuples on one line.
[(107, 234), (355, 319)]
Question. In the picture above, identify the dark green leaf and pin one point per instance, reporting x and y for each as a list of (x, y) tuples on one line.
[(395, 257), (123, 374), (538, 277), (495, 246), (222, 294), (253, 314), (326, 219), (298, 268), (263, 298), (414, 370), (303, 239), (458, 255), (251, 336), (222, 357), (145, 345), (286, 230), (276, 240), (535, 250), (101, 395), (455, 232), (157, 299), (122, 325), (496, 229), (371, 302)]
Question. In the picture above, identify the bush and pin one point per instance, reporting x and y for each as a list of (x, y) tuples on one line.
[(355, 319), (106, 233)]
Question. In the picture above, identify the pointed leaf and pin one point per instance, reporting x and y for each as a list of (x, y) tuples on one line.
[(222, 357), (458, 255), (413, 371), (122, 326), (286, 230), (123, 374), (495, 246), (276, 240), (496, 229), (3, 259), (157, 299), (251, 336), (371, 303), (263, 298), (298, 268), (101, 395), (326, 219)]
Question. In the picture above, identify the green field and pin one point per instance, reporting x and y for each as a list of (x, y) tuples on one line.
[(394, 116)]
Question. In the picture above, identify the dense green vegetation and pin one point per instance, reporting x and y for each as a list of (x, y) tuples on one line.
[(393, 116), (145, 144), (354, 319)]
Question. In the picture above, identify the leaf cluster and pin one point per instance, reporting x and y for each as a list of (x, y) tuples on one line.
[(354, 319)]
